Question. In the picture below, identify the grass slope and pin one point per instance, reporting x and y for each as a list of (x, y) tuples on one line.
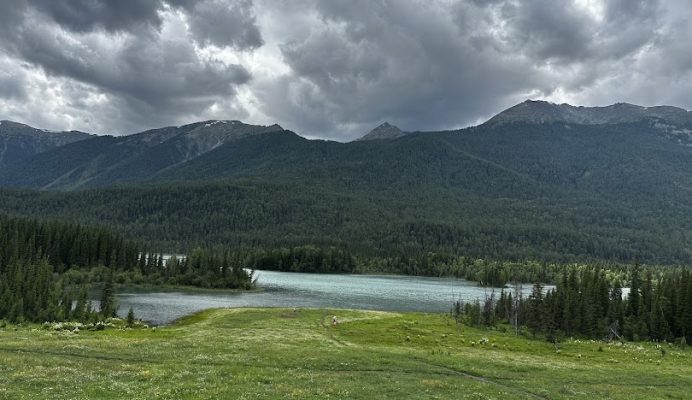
[(280, 353)]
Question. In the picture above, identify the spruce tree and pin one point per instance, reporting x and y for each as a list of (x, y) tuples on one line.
[(108, 307), (536, 318)]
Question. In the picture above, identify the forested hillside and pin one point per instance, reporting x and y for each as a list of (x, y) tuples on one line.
[(267, 214), (531, 184), (107, 160)]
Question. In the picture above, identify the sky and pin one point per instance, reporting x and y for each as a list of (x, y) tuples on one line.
[(332, 69)]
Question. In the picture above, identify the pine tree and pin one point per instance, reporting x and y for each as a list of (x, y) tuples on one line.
[(634, 297), (536, 317), (108, 307)]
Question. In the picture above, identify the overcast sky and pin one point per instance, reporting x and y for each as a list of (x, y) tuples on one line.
[(335, 68)]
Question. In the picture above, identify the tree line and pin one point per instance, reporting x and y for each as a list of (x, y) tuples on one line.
[(46, 269), (588, 302)]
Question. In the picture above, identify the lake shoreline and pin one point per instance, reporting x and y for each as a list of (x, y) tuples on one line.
[(397, 293)]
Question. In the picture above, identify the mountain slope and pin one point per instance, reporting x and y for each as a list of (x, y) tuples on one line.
[(672, 122), (543, 111), (19, 142), (106, 160), (574, 148), (629, 162)]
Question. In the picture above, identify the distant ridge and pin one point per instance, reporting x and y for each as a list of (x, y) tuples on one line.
[(536, 111), (19, 141), (218, 149), (103, 160)]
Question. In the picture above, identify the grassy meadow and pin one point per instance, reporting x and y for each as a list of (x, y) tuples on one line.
[(286, 353)]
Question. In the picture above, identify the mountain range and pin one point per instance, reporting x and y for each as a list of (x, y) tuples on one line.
[(538, 180), (105, 160), (41, 159), (543, 111)]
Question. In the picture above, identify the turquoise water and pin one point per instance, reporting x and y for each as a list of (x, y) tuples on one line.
[(286, 289)]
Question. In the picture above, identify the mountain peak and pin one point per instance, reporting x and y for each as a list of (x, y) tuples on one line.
[(539, 111), (384, 131)]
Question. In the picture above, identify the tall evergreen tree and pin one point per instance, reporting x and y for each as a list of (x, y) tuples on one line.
[(108, 307)]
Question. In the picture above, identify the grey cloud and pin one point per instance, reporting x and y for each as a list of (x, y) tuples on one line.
[(146, 69), (661, 72), (436, 65), (10, 15), (151, 73), (111, 15), (12, 82), (548, 29), (223, 24), (11, 88), (372, 61)]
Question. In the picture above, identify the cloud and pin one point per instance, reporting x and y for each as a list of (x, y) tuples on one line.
[(563, 32), (87, 15), (12, 82), (222, 24), (148, 67), (333, 68), (438, 65)]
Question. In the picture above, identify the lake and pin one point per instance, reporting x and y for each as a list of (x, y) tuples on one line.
[(290, 289)]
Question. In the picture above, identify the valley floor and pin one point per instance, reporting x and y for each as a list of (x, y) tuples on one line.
[(286, 353)]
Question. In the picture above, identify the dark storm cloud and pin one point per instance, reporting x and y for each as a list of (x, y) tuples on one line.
[(143, 67), (407, 62), (87, 15), (224, 24), (559, 31), (125, 50), (434, 65), (333, 68)]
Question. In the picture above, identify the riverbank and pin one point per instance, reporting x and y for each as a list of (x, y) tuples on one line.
[(299, 353)]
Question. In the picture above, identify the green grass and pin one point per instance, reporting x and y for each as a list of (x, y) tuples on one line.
[(282, 353)]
